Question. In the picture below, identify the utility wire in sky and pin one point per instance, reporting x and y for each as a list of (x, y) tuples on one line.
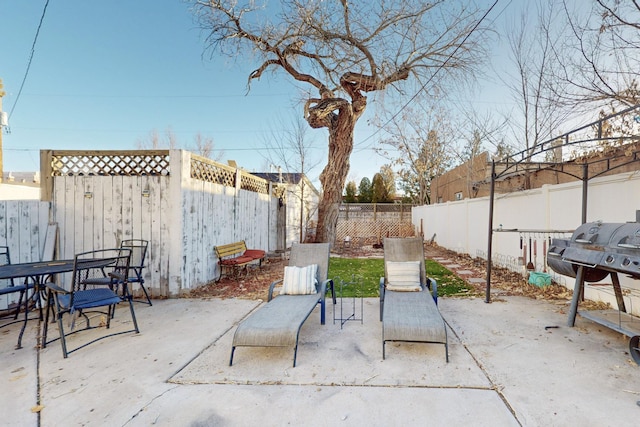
[(33, 49), (422, 88)]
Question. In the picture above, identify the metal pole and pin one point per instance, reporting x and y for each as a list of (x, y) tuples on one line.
[(2, 93), (302, 208), (577, 290), (487, 297), (585, 188)]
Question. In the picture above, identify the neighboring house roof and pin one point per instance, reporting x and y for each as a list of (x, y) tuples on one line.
[(285, 178), (22, 178)]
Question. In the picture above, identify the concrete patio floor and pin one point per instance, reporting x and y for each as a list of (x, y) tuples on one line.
[(506, 369)]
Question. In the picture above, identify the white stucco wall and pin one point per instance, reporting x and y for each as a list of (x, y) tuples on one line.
[(19, 192), (462, 226)]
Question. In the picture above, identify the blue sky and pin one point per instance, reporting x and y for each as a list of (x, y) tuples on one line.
[(105, 74)]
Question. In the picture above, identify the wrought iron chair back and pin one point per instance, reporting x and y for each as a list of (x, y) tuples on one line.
[(138, 249), (8, 286), (88, 294), (5, 259)]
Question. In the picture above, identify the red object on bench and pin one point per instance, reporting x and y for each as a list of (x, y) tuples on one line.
[(236, 261), (236, 256), (254, 254)]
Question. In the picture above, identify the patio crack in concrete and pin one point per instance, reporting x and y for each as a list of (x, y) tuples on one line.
[(38, 376), (337, 384), (146, 405), (495, 387)]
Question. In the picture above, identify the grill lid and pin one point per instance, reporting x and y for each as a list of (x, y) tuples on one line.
[(601, 247), (595, 233)]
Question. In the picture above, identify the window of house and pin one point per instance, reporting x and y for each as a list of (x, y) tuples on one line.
[(458, 195)]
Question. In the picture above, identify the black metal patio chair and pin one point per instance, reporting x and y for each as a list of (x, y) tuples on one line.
[(138, 249), (84, 298), (8, 286)]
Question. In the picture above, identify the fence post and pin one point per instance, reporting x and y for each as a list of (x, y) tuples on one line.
[(180, 163), (46, 178), (238, 179)]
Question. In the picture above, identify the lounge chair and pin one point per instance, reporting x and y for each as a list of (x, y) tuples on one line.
[(277, 323), (408, 299)]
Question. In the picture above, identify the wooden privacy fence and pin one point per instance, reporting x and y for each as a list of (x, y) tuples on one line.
[(23, 225), (369, 223), (183, 204)]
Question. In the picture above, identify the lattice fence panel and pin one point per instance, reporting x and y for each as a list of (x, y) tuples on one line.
[(127, 163), (209, 171), (254, 183), (369, 223), (368, 232), (375, 211)]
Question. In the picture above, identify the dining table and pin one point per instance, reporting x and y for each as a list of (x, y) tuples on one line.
[(38, 273)]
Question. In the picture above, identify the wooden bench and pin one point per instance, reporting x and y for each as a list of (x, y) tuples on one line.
[(236, 257)]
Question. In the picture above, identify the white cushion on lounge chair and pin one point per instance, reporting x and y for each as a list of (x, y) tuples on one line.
[(299, 280), (409, 316), (277, 323), (403, 276)]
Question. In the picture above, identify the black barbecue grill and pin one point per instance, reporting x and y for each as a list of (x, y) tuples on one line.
[(601, 248), (594, 251)]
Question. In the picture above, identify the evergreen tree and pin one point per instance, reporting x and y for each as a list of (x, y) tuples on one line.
[(380, 190), (350, 192), (365, 191)]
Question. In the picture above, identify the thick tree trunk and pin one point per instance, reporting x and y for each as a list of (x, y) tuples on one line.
[(341, 126), (334, 177)]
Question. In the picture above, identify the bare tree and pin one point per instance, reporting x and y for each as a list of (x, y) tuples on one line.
[(203, 145), (604, 67), (155, 140), (342, 51), (420, 145), (535, 59), (478, 133), (290, 148)]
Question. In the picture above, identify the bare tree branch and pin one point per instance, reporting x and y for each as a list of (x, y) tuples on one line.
[(606, 40), (345, 50)]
